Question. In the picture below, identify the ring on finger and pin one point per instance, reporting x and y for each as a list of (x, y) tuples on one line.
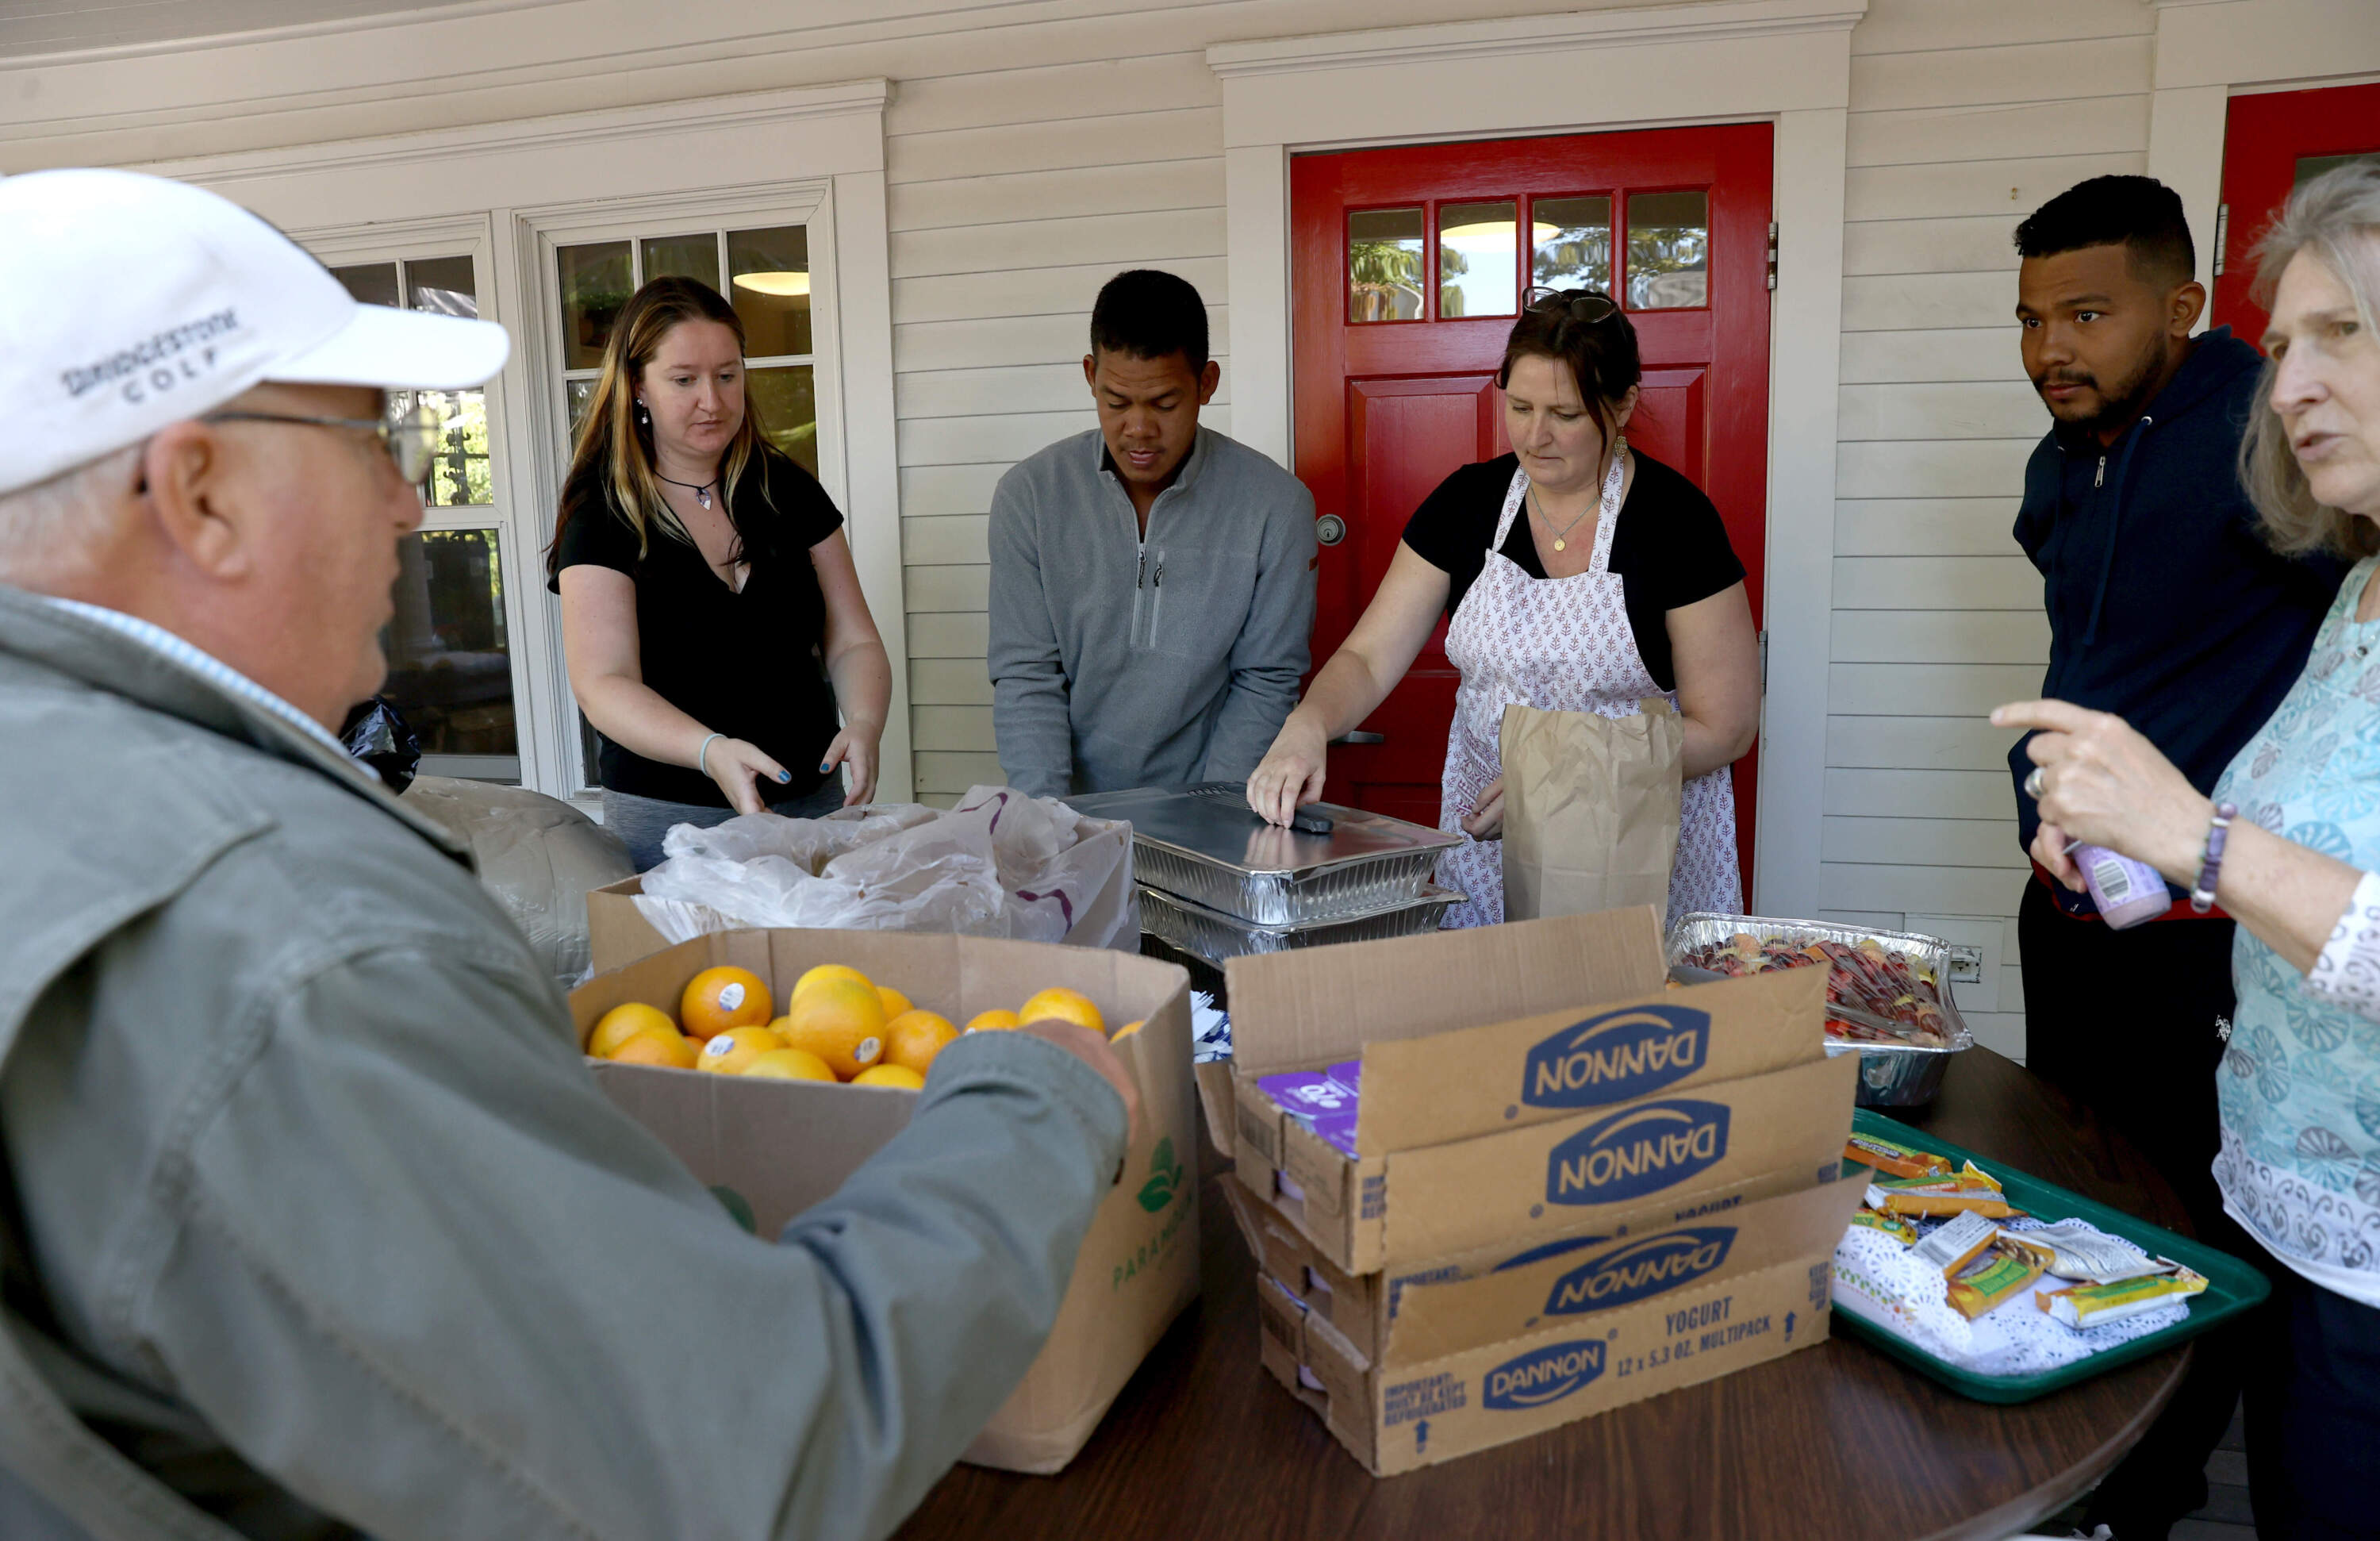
[(2033, 783)]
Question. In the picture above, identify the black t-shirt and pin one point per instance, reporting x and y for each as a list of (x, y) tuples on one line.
[(1668, 547), (746, 664)]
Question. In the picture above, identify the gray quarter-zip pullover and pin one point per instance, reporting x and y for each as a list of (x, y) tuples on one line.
[(1120, 659)]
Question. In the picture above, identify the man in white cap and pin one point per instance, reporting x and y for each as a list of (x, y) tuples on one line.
[(313, 1222)]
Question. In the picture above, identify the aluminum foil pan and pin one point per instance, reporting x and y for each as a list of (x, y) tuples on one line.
[(1891, 1075), (1205, 844), (1214, 936)]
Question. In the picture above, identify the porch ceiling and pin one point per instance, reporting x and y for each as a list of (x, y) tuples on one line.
[(32, 28)]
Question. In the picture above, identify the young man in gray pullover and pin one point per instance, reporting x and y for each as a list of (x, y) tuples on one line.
[(1152, 581)]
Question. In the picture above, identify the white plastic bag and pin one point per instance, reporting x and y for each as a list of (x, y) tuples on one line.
[(1001, 864)]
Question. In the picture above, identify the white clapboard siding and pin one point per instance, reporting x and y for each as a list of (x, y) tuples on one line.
[(943, 775), (935, 492), (962, 729), (1093, 88), (1917, 743), (955, 540), (1037, 291), (1133, 187), (949, 682), (1922, 841), (1940, 637), (1154, 137), (1933, 354), (1926, 527), (964, 638), (949, 588), (1972, 410), (1978, 243), (1964, 118), (1111, 239)]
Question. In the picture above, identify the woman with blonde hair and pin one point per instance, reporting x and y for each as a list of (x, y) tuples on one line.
[(711, 618), (2289, 844)]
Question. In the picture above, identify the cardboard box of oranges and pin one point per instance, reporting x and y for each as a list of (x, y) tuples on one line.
[(776, 1091)]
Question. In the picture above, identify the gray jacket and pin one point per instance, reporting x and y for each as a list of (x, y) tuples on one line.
[(1119, 660), (317, 1216)]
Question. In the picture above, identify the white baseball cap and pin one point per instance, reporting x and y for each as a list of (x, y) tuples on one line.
[(129, 302)]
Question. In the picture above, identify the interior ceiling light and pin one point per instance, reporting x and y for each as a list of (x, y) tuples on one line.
[(778, 284)]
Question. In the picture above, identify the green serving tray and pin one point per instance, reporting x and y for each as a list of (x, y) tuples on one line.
[(2232, 1286)]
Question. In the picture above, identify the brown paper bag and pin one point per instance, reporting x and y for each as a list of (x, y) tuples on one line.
[(1590, 809)]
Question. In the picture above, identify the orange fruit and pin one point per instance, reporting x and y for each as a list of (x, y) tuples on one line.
[(1128, 1030), (992, 1021), (820, 976), (840, 1021), (789, 1065), (656, 1046), (894, 1002), (890, 1075), (718, 998), (913, 1038), (624, 1022), (729, 1051), (1066, 1005)]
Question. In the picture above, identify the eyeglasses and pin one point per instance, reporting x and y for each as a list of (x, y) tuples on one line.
[(411, 438), (1586, 306)]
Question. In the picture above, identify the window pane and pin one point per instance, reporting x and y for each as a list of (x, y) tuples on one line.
[(449, 665), (371, 283), (1478, 259), (2311, 166), (784, 401), (1668, 250), (684, 257), (595, 285), (461, 474), (575, 394), (444, 286), (1572, 237), (1384, 265), (770, 285)]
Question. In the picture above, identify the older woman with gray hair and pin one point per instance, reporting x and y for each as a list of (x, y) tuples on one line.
[(2289, 844)]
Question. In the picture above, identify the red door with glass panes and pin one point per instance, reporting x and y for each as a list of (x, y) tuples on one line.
[(2272, 144), (1408, 267)]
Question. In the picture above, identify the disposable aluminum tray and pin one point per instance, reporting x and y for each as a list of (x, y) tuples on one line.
[(1214, 936), (1891, 1074), (1206, 846)]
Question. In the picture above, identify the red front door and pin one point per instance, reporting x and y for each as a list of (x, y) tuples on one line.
[(1408, 265), (2272, 142)]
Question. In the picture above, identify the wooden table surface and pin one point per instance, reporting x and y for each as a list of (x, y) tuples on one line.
[(1836, 1441)]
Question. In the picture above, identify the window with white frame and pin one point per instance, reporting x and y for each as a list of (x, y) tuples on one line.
[(764, 270), (451, 664)]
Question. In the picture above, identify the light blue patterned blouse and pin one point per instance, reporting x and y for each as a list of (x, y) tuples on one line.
[(2300, 1086)]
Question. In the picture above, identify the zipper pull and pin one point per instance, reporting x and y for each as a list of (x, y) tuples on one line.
[(2099, 477), (1141, 577), (1159, 581)]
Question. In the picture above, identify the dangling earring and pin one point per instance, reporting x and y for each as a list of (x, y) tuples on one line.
[(644, 415)]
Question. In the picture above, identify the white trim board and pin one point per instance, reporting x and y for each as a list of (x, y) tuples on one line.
[(820, 148), (1785, 61)]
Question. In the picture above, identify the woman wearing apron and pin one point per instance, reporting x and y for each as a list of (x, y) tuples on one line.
[(1581, 576)]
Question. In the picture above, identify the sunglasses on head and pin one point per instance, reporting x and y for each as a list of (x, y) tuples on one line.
[(1585, 306)]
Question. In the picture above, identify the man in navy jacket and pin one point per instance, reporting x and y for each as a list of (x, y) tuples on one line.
[(2166, 608)]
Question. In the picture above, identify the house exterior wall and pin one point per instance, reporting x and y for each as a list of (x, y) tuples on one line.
[(1037, 147)]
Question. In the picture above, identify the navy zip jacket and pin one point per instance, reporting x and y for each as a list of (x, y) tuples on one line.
[(2166, 606)]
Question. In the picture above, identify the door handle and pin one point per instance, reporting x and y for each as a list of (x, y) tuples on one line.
[(1330, 529), (1358, 735)]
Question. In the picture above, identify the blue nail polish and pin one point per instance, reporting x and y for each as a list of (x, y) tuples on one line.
[(784, 775), (823, 766)]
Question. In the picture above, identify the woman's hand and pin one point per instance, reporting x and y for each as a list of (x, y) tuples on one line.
[(737, 767), (1292, 767), (2105, 784), (1486, 821), (2049, 848), (855, 746)]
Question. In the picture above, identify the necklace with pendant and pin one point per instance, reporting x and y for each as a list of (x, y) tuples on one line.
[(701, 489), (1608, 505)]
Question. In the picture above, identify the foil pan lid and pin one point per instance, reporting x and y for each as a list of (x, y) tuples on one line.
[(1212, 822)]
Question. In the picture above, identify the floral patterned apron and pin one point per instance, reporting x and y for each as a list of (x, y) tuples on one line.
[(1560, 645)]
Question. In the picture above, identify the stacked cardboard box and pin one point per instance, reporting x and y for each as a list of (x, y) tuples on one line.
[(1571, 1188)]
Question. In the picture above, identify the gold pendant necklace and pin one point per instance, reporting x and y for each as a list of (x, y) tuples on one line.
[(1609, 504), (1561, 543)]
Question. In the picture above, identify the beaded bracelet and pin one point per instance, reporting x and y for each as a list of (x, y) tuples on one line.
[(2210, 864)]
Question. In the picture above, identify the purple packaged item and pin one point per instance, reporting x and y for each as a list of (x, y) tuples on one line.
[(2127, 891), (1306, 1092), (1337, 1128), (1350, 1074)]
